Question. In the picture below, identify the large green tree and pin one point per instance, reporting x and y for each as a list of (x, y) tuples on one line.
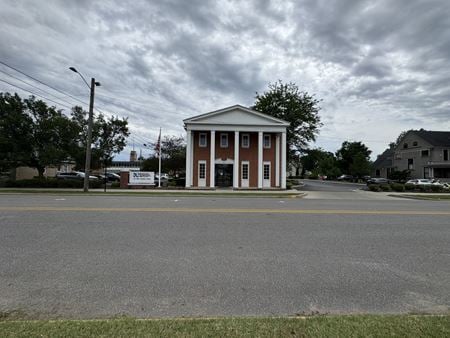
[(108, 138), (52, 135), (354, 158), (173, 160), (300, 109), (16, 128), (320, 162)]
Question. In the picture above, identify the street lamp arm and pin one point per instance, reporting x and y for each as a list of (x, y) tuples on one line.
[(73, 69)]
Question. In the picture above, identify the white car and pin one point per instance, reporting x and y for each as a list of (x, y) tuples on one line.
[(420, 181)]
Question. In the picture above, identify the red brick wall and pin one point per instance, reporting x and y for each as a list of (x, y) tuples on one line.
[(201, 153), (224, 153), (251, 155), (124, 178), (269, 155)]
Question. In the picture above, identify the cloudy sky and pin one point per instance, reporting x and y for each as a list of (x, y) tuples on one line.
[(379, 67)]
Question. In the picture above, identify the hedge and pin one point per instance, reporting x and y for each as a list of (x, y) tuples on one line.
[(50, 183)]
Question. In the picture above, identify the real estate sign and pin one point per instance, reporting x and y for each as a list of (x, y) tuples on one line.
[(141, 178)]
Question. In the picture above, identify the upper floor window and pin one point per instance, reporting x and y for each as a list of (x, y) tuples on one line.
[(425, 153), (245, 143), (266, 141), (415, 144), (445, 154), (202, 140), (405, 145), (224, 140), (410, 163)]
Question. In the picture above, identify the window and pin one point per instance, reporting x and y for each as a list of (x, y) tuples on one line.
[(245, 143), (415, 144), (245, 171), (405, 145), (267, 171), (266, 142), (425, 153), (223, 140), (445, 154), (202, 140), (410, 163), (202, 170)]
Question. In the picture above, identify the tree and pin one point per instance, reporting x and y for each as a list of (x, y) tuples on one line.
[(320, 162), (173, 160), (287, 102), (354, 158), (52, 135), (15, 132), (108, 138)]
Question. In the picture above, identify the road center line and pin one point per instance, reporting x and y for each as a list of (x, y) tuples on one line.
[(230, 210)]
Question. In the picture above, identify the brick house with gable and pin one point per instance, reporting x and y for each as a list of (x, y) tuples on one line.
[(236, 147)]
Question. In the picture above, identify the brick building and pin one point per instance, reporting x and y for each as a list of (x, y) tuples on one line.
[(236, 147)]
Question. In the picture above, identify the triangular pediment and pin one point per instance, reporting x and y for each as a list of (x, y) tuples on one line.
[(236, 115)]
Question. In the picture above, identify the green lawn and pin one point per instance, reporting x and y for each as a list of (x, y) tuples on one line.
[(315, 326), (428, 197)]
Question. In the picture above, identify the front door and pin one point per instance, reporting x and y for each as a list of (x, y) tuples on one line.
[(224, 175)]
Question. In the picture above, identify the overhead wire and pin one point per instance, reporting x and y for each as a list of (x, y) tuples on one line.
[(41, 82), (31, 85), (33, 93)]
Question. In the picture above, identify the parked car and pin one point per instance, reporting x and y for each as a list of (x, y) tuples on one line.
[(345, 178), (112, 177), (74, 175), (420, 181), (378, 180)]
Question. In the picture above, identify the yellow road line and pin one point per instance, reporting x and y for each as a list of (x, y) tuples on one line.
[(233, 211)]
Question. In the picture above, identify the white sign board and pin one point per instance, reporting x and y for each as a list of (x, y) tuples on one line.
[(141, 178)]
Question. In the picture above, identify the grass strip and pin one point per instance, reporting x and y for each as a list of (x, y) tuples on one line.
[(314, 326), (425, 197)]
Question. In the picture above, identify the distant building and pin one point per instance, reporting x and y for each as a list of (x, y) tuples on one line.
[(133, 156), (236, 147), (425, 153)]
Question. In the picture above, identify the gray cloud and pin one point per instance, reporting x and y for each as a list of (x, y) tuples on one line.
[(162, 61)]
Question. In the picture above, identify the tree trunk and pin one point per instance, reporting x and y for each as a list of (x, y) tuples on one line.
[(41, 172)]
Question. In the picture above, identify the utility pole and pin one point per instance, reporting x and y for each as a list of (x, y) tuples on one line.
[(87, 168)]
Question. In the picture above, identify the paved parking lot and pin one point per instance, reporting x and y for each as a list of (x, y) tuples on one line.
[(100, 256)]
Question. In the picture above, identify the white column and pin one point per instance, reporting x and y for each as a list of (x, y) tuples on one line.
[(212, 160), (236, 160), (189, 158), (283, 160), (277, 160), (260, 160)]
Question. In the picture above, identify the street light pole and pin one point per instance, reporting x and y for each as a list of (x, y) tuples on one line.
[(87, 167)]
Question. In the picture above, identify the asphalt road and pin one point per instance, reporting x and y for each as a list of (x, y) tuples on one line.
[(101, 256), (319, 185)]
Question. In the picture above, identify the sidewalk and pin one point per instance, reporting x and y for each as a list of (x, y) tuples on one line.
[(160, 192)]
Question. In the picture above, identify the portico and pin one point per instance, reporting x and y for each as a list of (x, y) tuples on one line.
[(236, 147)]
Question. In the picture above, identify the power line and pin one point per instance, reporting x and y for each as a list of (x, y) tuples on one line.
[(29, 84), (29, 91), (45, 84)]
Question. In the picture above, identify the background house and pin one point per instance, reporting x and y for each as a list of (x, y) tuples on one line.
[(426, 154)]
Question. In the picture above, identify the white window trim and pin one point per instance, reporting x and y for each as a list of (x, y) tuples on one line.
[(242, 141), (226, 137), (200, 139), (270, 169), (264, 141)]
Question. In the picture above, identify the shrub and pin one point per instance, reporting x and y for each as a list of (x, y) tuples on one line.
[(425, 188), (50, 183), (374, 187), (289, 185), (385, 187), (180, 182), (410, 187), (115, 185), (437, 188), (398, 187)]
